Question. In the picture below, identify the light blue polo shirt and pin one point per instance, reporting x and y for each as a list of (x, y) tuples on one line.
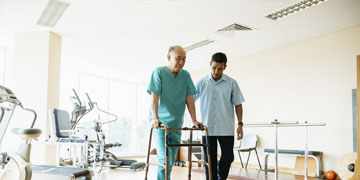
[(172, 91), (217, 104)]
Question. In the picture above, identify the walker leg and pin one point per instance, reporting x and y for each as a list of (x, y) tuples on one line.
[(189, 155), (209, 158), (166, 155), (148, 155)]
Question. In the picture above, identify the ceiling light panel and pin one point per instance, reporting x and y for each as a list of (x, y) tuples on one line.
[(198, 44), (52, 13), (294, 9)]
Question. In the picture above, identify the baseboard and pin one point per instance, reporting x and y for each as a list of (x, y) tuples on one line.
[(281, 169), (129, 156), (256, 166)]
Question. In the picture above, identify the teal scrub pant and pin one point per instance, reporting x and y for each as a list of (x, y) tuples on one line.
[(159, 139)]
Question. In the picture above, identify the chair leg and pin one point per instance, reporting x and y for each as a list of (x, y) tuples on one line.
[(242, 165), (266, 162), (248, 160), (258, 158)]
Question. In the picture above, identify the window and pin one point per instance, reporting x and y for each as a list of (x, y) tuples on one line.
[(142, 124), (68, 80), (2, 65), (122, 101), (128, 100)]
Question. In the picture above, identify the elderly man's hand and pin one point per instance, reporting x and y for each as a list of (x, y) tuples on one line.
[(156, 123), (197, 124)]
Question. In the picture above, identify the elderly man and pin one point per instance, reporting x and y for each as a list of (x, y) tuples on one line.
[(171, 88)]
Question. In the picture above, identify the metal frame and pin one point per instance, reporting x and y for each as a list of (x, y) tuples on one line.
[(276, 124), (167, 145), (318, 165)]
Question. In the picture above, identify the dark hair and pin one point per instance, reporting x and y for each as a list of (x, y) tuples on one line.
[(219, 57)]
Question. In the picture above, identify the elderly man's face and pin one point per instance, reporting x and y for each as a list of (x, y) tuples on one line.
[(177, 59)]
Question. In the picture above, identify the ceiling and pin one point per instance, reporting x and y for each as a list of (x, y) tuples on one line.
[(134, 35)]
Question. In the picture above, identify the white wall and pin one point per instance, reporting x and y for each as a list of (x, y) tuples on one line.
[(307, 81)]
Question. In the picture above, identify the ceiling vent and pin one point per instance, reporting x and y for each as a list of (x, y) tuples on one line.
[(198, 44), (234, 27), (294, 9), (231, 29), (52, 13)]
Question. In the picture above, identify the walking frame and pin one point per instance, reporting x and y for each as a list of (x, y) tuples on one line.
[(190, 145)]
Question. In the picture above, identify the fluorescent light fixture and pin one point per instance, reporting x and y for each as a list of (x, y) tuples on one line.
[(52, 13), (198, 44), (294, 9)]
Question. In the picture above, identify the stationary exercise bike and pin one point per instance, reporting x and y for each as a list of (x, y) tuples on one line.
[(109, 159), (17, 165)]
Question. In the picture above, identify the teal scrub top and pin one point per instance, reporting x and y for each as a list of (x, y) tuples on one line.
[(172, 91)]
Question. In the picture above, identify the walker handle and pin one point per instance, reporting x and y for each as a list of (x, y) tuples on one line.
[(201, 126), (162, 125)]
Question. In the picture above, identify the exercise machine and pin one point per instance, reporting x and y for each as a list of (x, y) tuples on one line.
[(97, 152), (103, 155), (15, 165)]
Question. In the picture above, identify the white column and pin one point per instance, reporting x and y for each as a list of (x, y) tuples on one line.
[(36, 80)]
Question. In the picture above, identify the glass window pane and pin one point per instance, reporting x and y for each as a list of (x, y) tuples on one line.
[(2, 65), (129, 101), (122, 102), (97, 89), (68, 80), (142, 124)]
